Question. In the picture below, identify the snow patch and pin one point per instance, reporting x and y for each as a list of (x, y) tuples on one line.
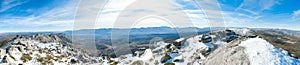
[(241, 31), (180, 39), (261, 52), (147, 55), (220, 43)]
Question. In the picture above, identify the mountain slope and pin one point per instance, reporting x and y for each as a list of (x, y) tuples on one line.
[(235, 46), (262, 52), (43, 49), (281, 39), (253, 51)]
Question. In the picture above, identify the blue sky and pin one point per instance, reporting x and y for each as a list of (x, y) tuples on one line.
[(58, 15)]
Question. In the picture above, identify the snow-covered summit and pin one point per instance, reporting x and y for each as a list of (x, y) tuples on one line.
[(261, 52), (228, 47)]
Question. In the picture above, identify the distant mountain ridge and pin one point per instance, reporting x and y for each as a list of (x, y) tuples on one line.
[(142, 31), (143, 35), (147, 30)]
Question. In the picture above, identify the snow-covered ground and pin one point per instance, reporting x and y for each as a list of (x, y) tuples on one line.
[(241, 31), (26, 51), (194, 50), (253, 51), (261, 52)]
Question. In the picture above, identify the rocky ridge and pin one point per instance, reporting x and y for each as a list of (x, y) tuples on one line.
[(45, 49), (228, 47)]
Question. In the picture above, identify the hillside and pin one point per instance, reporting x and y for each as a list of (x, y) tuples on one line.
[(234, 46), (282, 39), (43, 49)]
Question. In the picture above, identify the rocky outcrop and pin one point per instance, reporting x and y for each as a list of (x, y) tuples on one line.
[(229, 47), (230, 54), (44, 49)]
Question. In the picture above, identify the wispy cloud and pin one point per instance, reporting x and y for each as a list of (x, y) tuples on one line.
[(114, 8), (8, 4), (268, 4), (110, 13), (296, 14), (56, 19), (257, 6), (232, 18), (62, 17)]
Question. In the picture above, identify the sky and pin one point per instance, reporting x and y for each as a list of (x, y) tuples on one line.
[(60, 15)]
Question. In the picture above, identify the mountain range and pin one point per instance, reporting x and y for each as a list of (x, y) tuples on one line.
[(233, 46)]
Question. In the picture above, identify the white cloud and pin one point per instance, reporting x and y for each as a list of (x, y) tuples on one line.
[(8, 4), (110, 13), (268, 4), (256, 6), (296, 14), (114, 8), (60, 18), (63, 17), (57, 19)]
